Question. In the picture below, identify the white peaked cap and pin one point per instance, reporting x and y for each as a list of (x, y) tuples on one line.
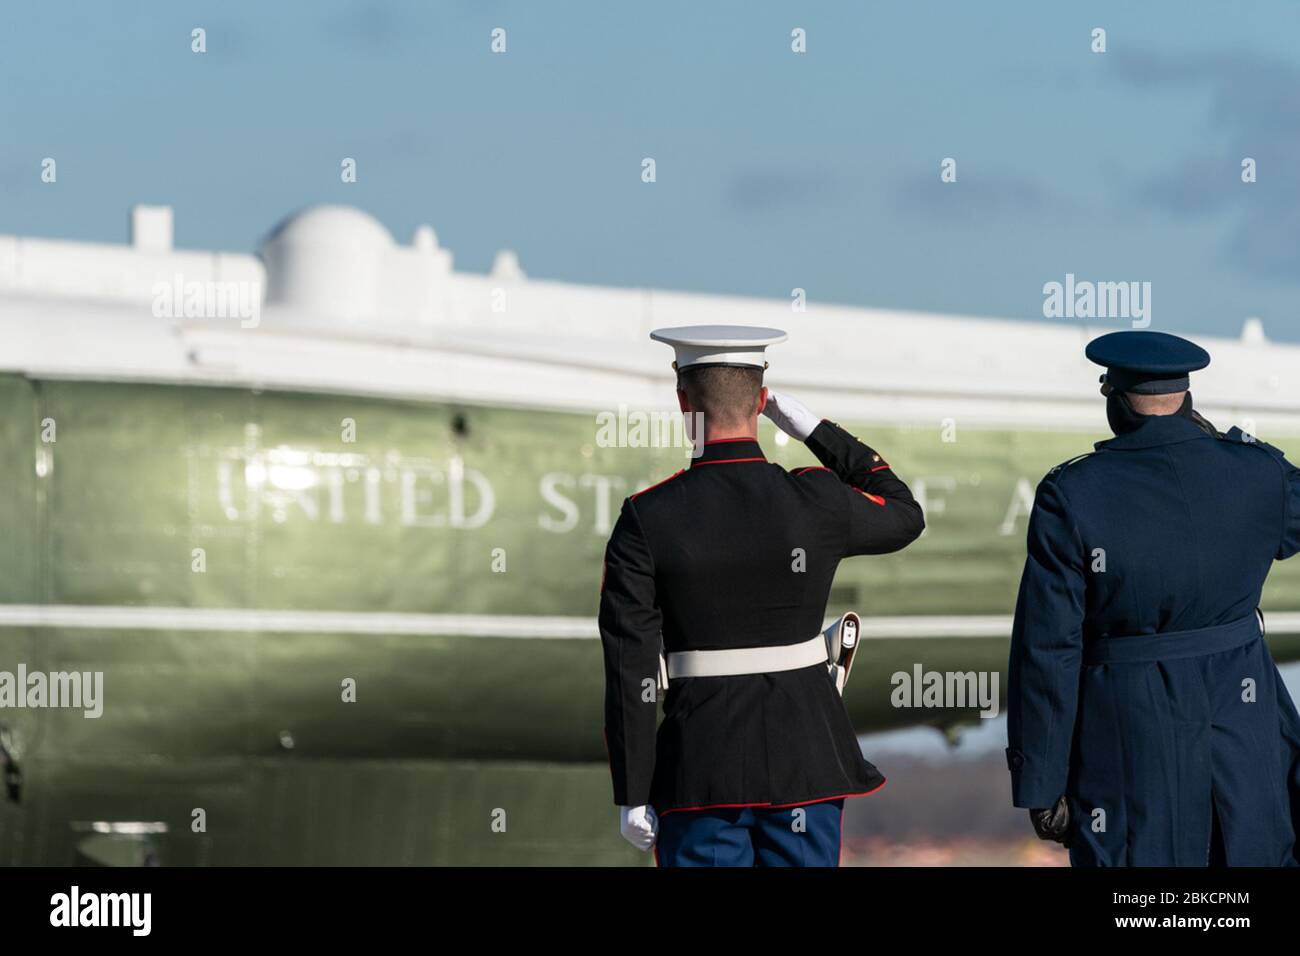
[(719, 344)]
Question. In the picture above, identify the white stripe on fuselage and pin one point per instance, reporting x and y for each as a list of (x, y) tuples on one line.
[(110, 617)]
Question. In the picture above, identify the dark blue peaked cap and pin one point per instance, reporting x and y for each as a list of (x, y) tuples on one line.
[(1149, 363)]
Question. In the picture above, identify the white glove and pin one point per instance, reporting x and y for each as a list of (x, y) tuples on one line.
[(639, 826), (790, 415)]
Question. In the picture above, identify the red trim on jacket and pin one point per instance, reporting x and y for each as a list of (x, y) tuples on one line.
[(879, 468), (874, 499), (719, 441), (634, 495), (773, 806), (804, 471), (723, 461)]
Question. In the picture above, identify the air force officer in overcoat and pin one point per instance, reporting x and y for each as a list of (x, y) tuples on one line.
[(1147, 723)]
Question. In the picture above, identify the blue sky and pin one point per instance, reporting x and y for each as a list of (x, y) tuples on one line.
[(775, 170)]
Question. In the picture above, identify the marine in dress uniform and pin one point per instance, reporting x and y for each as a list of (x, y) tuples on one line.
[(749, 767), (1147, 723)]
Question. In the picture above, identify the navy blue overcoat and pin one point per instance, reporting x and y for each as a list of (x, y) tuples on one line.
[(1139, 684)]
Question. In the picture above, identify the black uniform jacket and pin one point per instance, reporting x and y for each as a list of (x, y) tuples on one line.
[(739, 552)]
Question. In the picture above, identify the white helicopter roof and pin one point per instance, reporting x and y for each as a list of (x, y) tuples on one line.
[(332, 303)]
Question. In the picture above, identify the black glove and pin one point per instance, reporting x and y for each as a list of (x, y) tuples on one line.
[(1053, 824)]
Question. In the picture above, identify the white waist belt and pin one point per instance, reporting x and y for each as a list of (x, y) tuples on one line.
[(747, 660)]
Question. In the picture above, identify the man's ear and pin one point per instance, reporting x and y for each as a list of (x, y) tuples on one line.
[(682, 401), (762, 399)]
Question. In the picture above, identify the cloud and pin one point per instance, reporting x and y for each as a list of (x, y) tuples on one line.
[(760, 191), (977, 196), (227, 41), (368, 24), (1254, 111), (1245, 88)]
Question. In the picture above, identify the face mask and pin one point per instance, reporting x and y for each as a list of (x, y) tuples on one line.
[(1120, 414)]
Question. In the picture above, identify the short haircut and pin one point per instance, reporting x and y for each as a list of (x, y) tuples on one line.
[(1166, 404), (727, 395)]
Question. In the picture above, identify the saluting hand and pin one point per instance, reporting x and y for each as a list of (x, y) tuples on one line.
[(639, 826), (790, 415)]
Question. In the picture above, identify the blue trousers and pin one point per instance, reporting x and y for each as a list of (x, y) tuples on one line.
[(752, 836)]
